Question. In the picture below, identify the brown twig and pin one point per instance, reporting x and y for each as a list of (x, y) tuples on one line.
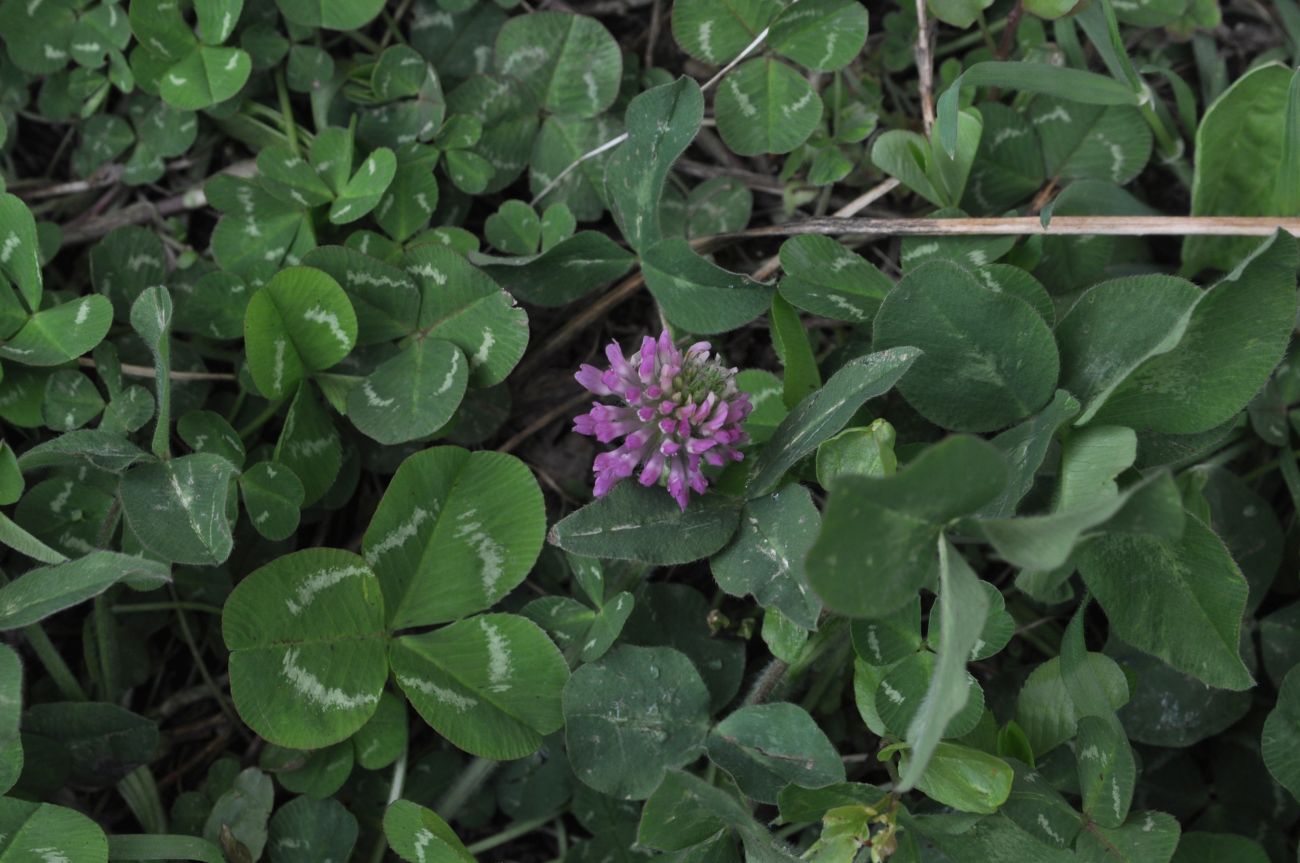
[(134, 371), (924, 67), (1127, 226), (852, 208), (145, 211), (562, 409), (1008, 40)]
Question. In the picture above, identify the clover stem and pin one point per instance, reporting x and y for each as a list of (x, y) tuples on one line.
[(466, 786), (286, 111), (514, 831)]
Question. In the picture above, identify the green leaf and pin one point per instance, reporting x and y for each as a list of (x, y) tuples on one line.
[(151, 318), (408, 205), (1199, 847), (20, 257), (39, 593), (291, 178), (764, 106), (1240, 147), (104, 450), (697, 295), (306, 830), (462, 305), (822, 34), (793, 349), (43, 831), (823, 413), (988, 839), (684, 806), (362, 193), (299, 322), (418, 835), (126, 262), (515, 228), (958, 13), (455, 532), (217, 19), (661, 123), (11, 694), (273, 497), (147, 846), (1114, 328), (1147, 837), (177, 508), (631, 716), (716, 31), (11, 476), (319, 773), (824, 278), (102, 742), (876, 546), (887, 640), (645, 524), (1179, 600), (1008, 164), (239, 816), (385, 299), (330, 14), (411, 394), (1074, 84), (213, 306), (1091, 142), (718, 206), (988, 360), (71, 400), (966, 779), (37, 37), (569, 62), (924, 166), (288, 626), (1045, 542), (858, 452), (1024, 447), (765, 558), (309, 445), (1280, 742), (1107, 771), (567, 271), (208, 431), (769, 746), (1237, 334), (1045, 710), (559, 143), (383, 739), (490, 684), (56, 335), (965, 609), (205, 76)]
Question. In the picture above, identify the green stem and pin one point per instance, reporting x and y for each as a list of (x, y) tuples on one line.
[(188, 636), (286, 112), (140, 607), (514, 831), (260, 420), (467, 784), (969, 40), (64, 680), (394, 794)]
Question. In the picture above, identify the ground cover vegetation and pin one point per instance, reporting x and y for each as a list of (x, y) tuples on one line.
[(604, 430)]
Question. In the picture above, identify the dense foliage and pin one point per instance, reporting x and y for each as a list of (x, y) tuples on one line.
[(948, 545)]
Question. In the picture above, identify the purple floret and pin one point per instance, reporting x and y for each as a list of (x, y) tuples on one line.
[(678, 411)]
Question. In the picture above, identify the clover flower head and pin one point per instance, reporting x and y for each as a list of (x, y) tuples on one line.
[(678, 410)]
